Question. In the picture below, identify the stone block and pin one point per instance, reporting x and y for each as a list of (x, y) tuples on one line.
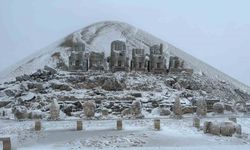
[(79, 125), (38, 125), (119, 124), (6, 143), (196, 122), (157, 124), (233, 119)]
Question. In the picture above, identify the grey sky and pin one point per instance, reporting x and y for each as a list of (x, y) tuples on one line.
[(215, 31)]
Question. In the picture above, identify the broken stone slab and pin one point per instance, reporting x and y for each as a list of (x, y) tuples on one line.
[(4, 103), (222, 128), (51, 70)]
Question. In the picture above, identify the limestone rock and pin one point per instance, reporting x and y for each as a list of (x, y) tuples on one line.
[(105, 112), (164, 112), (112, 84), (126, 112), (227, 128), (50, 70), (61, 87), (136, 108), (20, 112), (10, 93), (218, 108), (89, 109)]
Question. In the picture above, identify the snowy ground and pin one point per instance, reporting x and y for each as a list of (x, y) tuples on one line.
[(137, 134)]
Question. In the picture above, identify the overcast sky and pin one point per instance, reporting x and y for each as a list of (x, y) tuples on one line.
[(215, 31)]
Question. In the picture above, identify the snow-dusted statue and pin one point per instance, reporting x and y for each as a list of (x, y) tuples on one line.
[(201, 107), (136, 108), (89, 109), (177, 108), (54, 110)]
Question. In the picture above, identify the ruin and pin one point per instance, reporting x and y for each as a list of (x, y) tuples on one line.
[(77, 59), (157, 60), (120, 60), (176, 65), (138, 62), (118, 57), (97, 61)]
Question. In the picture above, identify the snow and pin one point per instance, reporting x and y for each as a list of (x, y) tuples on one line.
[(136, 135)]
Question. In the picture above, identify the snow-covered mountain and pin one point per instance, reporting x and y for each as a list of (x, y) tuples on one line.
[(98, 37)]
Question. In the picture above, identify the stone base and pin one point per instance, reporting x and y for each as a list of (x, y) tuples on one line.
[(38, 125), (157, 124), (233, 119), (196, 122), (79, 125), (6, 143), (119, 124)]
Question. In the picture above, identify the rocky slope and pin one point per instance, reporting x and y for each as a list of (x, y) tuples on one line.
[(113, 93)]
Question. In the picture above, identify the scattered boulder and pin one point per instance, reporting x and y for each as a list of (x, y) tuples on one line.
[(35, 114), (10, 93), (68, 109), (164, 112), (20, 112), (24, 77), (126, 112), (170, 82), (105, 112), (4, 103), (61, 87), (89, 109), (240, 106), (136, 108), (50, 70), (218, 108), (136, 94), (112, 84)]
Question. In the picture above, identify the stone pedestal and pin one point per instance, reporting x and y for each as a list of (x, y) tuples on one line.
[(234, 119), (157, 124), (196, 122), (78, 125), (6, 143), (38, 125), (119, 124)]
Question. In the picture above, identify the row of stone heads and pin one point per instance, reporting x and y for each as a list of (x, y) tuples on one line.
[(119, 45), (118, 60)]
